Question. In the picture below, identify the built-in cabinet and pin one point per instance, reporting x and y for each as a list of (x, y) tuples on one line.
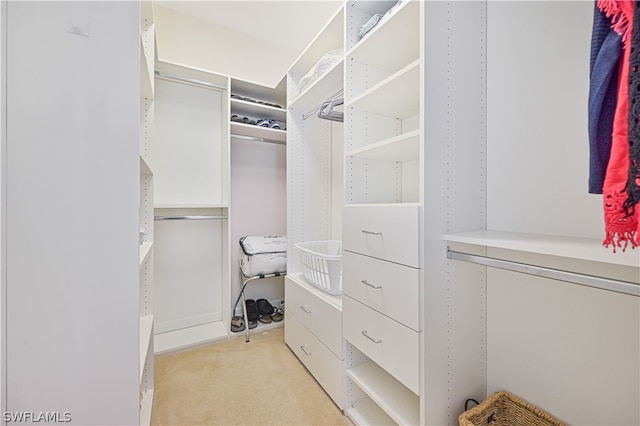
[(469, 239), (258, 181), (198, 219), (191, 206), (313, 320), (382, 263), (257, 112), (312, 332), (146, 236)]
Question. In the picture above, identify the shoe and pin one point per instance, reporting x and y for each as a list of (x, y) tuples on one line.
[(263, 122), (237, 324), (278, 314), (252, 311), (274, 124), (265, 309)]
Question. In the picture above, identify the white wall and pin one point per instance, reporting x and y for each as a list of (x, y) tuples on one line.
[(258, 206), (187, 40), (538, 82), (72, 204), (572, 350)]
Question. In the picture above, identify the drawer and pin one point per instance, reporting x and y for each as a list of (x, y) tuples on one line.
[(325, 367), (388, 232), (328, 370), (391, 345), (389, 288), (322, 318), (297, 301), (299, 340)]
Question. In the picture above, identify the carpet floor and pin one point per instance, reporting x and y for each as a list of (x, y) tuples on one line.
[(238, 383)]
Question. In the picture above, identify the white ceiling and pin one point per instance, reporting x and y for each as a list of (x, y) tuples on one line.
[(290, 24)]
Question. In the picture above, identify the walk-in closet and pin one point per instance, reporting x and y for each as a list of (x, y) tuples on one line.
[(424, 164)]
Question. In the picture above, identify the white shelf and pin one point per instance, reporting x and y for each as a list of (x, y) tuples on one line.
[(329, 38), (402, 405), (145, 169), (146, 406), (323, 88), (397, 96), (367, 412), (190, 206), (188, 337), (381, 204), (276, 95), (392, 44), (145, 249), (575, 248), (146, 332), (401, 148), (259, 133), (256, 110)]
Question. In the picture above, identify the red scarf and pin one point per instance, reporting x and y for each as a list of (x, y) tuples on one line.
[(620, 230)]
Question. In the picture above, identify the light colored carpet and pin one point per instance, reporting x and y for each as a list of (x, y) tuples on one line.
[(234, 382)]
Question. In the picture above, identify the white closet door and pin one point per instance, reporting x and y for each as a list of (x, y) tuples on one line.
[(188, 155)]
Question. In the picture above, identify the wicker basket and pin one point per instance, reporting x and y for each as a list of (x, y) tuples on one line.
[(505, 409)]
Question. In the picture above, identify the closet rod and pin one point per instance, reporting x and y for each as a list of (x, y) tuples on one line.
[(314, 110), (190, 80), (200, 217), (617, 286), (255, 138)]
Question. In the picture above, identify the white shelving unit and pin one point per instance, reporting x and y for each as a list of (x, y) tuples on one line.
[(255, 102), (315, 158), (191, 206), (147, 64), (263, 187), (383, 185), (496, 191), (402, 406)]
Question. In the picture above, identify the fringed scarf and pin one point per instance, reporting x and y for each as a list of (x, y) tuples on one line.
[(621, 230), (606, 49), (633, 178)]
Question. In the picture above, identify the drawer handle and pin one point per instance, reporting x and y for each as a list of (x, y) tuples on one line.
[(368, 284), (304, 308), (370, 232), (305, 351), (364, 333)]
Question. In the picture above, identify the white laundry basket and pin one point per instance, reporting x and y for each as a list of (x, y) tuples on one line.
[(322, 264)]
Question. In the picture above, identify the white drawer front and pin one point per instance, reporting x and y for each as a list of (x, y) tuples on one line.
[(316, 357), (387, 232), (299, 339), (326, 325), (387, 287), (323, 319), (327, 369), (297, 301), (388, 343)]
